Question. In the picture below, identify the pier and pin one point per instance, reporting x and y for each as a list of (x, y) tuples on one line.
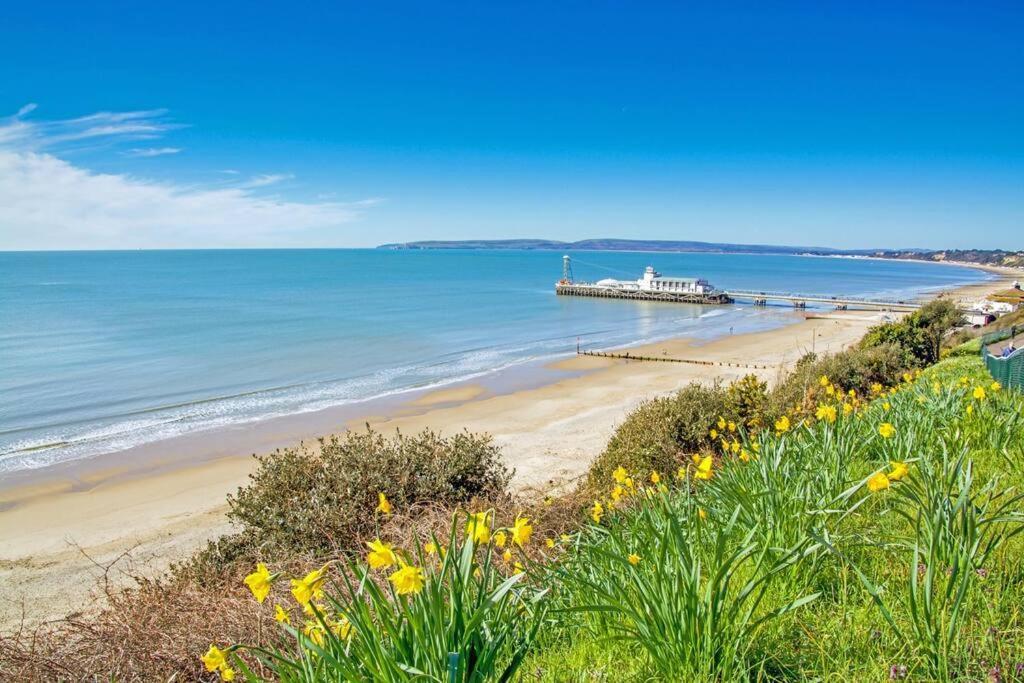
[(653, 286), (840, 303), (573, 289)]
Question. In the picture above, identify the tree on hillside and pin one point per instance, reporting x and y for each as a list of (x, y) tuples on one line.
[(920, 333)]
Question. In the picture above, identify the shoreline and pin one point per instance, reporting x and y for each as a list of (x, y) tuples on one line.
[(549, 419)]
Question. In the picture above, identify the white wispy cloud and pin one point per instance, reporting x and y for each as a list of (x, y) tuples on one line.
[(266, 179), (48, 202), (20, 132), (151, 151)]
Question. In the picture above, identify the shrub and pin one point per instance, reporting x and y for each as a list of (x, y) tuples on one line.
[(855, 369), (920, 334), (654, 436), (748, 399), (305, 501)]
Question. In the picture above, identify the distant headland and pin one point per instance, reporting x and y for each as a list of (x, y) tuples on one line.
[(991, 257)]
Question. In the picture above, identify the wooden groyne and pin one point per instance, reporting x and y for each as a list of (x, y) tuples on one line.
[(666, 359)]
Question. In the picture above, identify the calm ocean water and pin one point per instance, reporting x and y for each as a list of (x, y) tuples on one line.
[(101, 351)]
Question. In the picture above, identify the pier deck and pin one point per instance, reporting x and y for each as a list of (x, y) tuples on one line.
[(843, 303)]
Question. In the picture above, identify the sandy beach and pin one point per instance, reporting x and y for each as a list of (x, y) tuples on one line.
[(65, 530)]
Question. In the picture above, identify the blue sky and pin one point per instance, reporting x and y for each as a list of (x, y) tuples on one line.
[(341, 124)]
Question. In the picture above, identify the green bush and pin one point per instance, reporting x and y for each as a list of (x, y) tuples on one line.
[(658, 432), (309, 502), (855, 369), (749, 399), (920, 334)]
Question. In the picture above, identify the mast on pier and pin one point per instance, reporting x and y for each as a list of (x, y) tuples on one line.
[(566, 270)]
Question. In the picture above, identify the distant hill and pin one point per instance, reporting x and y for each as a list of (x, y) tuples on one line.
[(622, 245), (977, 256)]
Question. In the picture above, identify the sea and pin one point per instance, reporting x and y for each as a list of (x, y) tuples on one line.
[(105, 351)]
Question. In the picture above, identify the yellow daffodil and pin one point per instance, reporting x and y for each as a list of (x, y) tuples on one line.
[(549, 542), (507, 555), (259, 582), (499, 539), (565, 538), (899, 470), (479, 528), (907, 377), (341, 627), (518, 567), (886, 430), (701, 513), (634, 559), (878, 482), (876, 388), (310, 586), (617, 493), (381, 556), (886, 405), (970, 410), (734, 447), (995, 386), (655, 478), (744, 455), (620, 474), (847, 409), (596, 512), (430, 547), (782, 424), (214, 659), (281, 616), (714, 434), (732, 426), (521, 531), (826, 413), (315, 632), (830, 390), (979, 393), (227, 673), (851, 393), (407, 580), (629, 483), (823, 381), (704, 469), (383, 506), (721, 423)]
